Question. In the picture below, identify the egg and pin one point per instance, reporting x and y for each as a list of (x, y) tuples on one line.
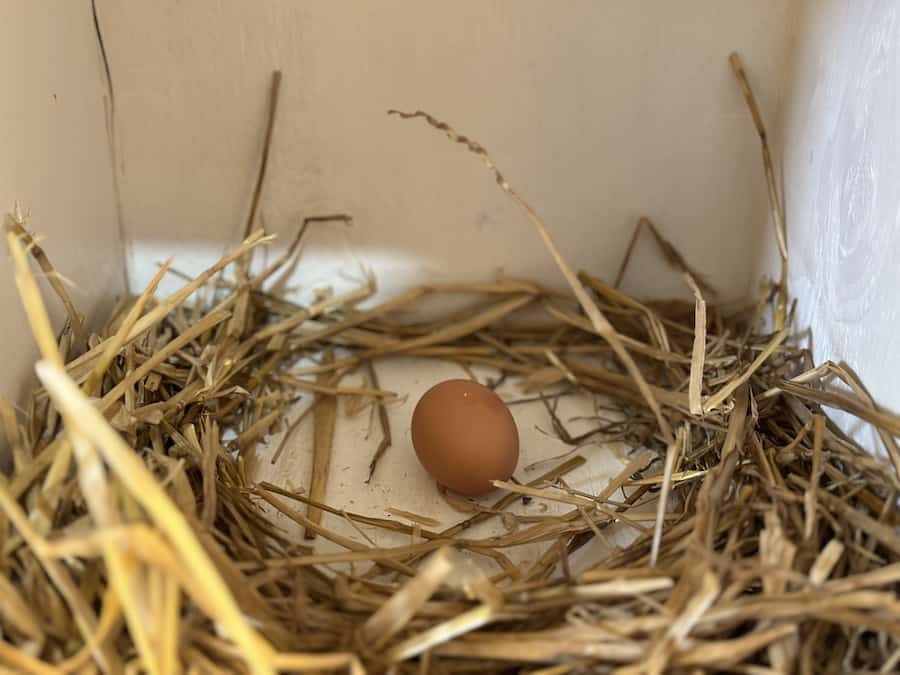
[(465, 436)]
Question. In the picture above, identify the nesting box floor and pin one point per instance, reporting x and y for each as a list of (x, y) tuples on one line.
[(401, 483)]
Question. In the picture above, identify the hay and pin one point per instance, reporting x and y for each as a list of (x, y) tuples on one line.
[(132, 539)]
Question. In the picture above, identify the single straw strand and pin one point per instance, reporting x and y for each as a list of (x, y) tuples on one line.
[(599, 322)]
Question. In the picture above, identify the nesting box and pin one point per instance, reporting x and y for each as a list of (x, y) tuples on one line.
[(136, 132)]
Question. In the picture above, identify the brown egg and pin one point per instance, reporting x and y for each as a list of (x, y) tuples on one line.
[(465, 436)]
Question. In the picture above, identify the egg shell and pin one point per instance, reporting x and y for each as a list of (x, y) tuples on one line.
[(465, 436)]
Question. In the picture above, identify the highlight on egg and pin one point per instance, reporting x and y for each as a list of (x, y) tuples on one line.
[(465, 436)]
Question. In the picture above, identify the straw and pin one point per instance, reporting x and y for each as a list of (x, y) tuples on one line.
[(744, 533), (324, 419), (774, 202)]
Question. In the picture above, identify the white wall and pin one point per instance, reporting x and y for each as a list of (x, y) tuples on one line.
[(842, 181), (55, 161), (598, 111)]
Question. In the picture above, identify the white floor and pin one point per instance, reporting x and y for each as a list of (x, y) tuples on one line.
[(401, 483)]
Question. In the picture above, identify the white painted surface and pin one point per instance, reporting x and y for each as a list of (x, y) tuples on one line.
[(400, 482), (55, 161), (842, 172), (599, 112)]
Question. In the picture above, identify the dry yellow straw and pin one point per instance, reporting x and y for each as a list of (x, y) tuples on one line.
[(143, 486)]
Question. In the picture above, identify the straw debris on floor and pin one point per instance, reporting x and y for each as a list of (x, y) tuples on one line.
[(134, 541)]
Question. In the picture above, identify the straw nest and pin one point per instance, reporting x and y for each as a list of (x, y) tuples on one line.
[(133, 540)]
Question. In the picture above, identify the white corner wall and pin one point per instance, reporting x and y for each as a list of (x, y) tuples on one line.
[(599, 112), (55, 162), (842, 183)]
